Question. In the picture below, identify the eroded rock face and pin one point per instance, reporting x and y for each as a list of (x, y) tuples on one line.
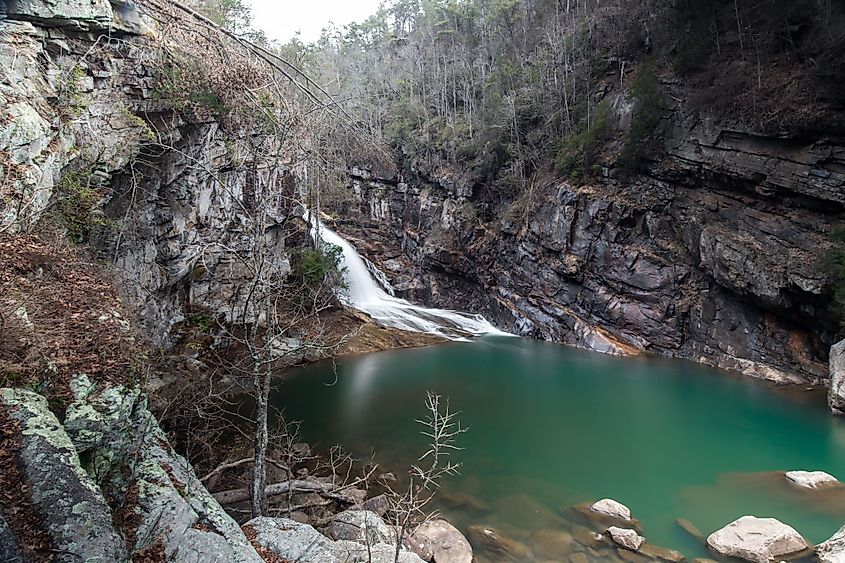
[(833, 550), (78, 14), (445, 542), (71, 505), (836, 394), (711, 256), (756, 539)]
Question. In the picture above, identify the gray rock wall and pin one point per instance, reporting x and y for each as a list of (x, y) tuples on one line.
[(713, 256)]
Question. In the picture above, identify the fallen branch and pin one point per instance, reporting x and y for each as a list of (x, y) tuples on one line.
[(294, 486), (232, 465)]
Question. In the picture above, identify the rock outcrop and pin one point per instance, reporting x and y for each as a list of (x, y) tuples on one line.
[(712, 254), (757, 539), (108, 487), (73, 509)]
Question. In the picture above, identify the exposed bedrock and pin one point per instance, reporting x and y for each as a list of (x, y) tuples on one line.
[(714, 255)]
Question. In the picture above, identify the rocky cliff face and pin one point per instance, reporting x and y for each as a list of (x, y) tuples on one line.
[(712, 255), (161, 188)]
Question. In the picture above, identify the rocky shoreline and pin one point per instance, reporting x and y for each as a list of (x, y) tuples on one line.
[(108, 487)]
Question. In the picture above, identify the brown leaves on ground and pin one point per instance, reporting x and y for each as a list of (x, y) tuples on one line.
[(33, 541), (60, 315)]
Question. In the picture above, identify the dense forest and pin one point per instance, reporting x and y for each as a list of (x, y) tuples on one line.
[(514, 89)]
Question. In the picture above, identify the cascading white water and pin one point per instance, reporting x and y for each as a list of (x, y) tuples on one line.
[(364, 294)]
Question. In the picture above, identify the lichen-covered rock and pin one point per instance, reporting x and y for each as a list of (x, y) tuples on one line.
[(833, 550), (71, 505), (362, 526), (836, 393), (444, 541), (134, 464), (294, 541), (8, 543), (77, 14), (756, 539)]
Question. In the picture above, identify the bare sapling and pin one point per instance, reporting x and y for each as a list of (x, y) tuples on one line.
[(408, 504)]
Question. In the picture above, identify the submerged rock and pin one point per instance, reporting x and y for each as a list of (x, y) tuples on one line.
[(833, 550), (496, 544), (756, 539), (811, 479), (691, 529), (553, 544), (661, 553), (627, 538), (443, 541), (836, 394)]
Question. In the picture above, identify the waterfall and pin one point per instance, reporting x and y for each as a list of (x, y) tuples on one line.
[(366, 295)]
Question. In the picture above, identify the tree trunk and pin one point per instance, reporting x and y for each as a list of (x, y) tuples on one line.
[(261, 382)]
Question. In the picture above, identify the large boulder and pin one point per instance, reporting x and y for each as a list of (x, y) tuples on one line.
[(756, 539), (361, 526), (444, 541), (293, 541), (811, 479), (73, 510), (833, 550), (76, 14), (836, 394)]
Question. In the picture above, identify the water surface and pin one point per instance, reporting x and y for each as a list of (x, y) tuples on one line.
[(551, 427)]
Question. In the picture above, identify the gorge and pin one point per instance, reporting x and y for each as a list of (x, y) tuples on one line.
[(657, 180)]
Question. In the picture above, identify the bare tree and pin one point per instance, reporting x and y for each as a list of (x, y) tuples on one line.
[(408, 505)]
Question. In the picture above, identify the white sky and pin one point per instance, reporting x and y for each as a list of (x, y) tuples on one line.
[(280, 19)]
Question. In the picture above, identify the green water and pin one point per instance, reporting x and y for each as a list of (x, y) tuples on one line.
[(551, 427)]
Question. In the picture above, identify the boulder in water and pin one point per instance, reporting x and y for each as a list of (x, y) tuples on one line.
[(443, 541), (756, 539), (811, 479), (625, 537), (612, 508), (833, 550)]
